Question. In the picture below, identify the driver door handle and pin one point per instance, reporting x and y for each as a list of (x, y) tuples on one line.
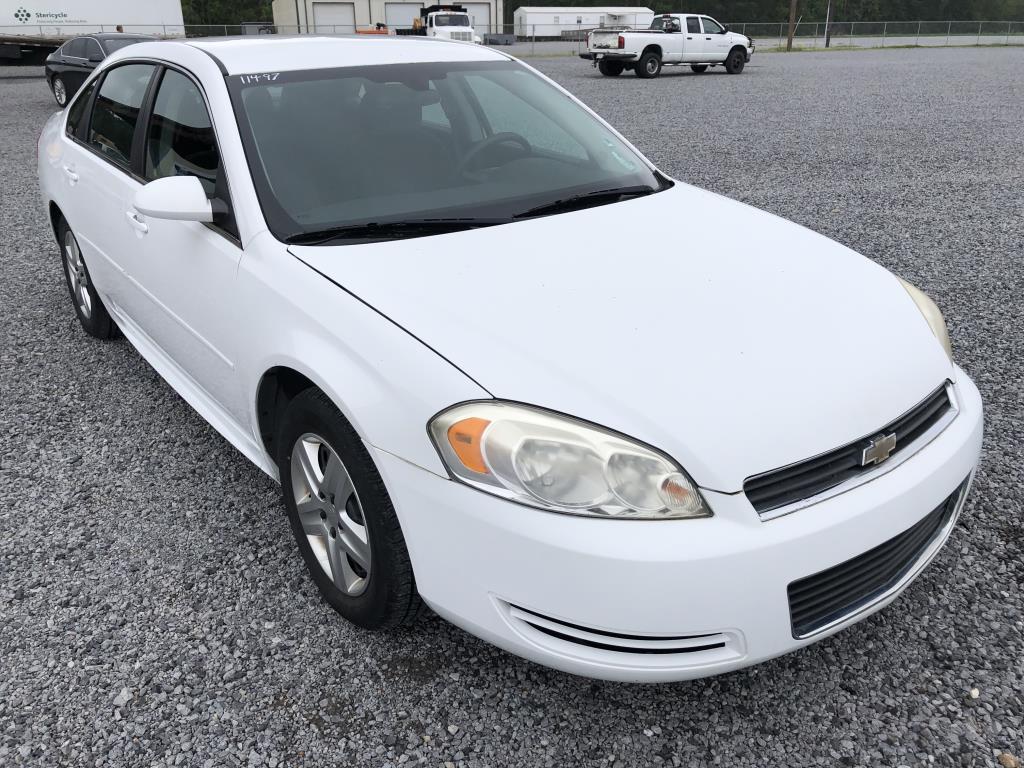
[(70, 172), (136, 222)]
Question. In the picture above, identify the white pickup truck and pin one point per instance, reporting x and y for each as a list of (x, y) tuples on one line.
[(673, 38)]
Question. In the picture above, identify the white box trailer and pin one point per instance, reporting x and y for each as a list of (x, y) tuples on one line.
[(558, 22), (67, 18)]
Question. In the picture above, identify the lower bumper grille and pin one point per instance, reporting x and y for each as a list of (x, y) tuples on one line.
[(818, 601)]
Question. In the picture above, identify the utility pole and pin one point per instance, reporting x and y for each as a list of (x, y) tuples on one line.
[(828, 14), (792, 24)]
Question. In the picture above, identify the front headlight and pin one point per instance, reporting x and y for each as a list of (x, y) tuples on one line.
[(556, 463), (932, 314)]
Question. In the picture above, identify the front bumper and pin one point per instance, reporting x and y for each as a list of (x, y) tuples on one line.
[(617, 599)]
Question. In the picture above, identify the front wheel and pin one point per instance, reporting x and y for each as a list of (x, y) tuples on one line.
[(735, 61), (648, 66), (610, 68), (698, 68), (342, 517), (60, 91)]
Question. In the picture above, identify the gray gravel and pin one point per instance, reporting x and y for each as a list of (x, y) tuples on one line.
[(153, 610)]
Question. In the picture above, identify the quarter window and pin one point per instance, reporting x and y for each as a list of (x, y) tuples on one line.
[(693, 24), (92, 47), (75, 48), (711, 26), (117, 111), (180, 140)]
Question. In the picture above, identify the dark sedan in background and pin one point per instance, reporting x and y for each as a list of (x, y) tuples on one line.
[(69, 65)]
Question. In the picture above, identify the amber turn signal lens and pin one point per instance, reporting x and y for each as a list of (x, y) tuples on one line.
[(465, 438)]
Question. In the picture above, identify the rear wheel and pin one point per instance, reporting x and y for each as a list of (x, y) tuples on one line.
[(89, 308), (342, 517), (649, 65), (735, 61), (610, 68), (698, 68), (60, 91)]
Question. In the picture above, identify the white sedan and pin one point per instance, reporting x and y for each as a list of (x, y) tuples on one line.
[(503, 365)]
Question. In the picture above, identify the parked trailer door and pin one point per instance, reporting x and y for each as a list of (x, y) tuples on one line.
[(401, 15), (480, 17), (334, 18)]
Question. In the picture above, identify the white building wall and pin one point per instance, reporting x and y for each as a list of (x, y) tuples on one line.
[(544, 22), (66, 19)]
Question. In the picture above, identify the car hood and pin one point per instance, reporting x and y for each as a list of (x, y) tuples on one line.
[(731, 339)]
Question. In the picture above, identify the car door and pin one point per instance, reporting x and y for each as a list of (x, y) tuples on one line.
[(693, 45), (186, 270), (72, 67), (713, 40), (672, 45), (98, 170)]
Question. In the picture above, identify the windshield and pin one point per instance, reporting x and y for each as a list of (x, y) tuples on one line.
[(116, 44), (451, 20), (342, 147)]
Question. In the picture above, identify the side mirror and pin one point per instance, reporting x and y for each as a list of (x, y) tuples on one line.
[(178, 198), (725, 29)]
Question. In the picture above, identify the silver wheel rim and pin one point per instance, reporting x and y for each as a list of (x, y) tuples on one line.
[(78, 278), (60, 91), (652, 66), (330, 513)]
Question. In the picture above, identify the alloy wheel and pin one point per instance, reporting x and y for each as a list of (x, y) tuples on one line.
[(60, 92), (77, 276), (331, 513)]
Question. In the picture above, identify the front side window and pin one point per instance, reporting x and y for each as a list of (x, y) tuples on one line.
[(180, 140), (395, 143), (116, 111), (77, 109), (711, 26), (693, 25)]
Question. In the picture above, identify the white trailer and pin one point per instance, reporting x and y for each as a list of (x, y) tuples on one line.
[(67, 18), (561, 22)]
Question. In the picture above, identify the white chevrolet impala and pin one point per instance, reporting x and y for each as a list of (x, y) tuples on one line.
[(500, 363)]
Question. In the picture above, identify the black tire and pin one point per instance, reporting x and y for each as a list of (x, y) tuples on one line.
[(735, 61), (610, 68), (698, 68), (649, 65), (60, 91), (388, 597), (92, 315)]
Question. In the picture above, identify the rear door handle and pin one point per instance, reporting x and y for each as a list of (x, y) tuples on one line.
[(70, 172), (136, 222), (689, 38)]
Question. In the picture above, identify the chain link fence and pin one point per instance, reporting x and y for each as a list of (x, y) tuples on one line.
[(554, 40)]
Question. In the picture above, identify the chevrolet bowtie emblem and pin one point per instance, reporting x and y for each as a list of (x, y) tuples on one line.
[(878, 449)]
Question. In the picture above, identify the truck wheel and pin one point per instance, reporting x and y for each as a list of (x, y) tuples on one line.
[(610, 68), (649, 65), (735, 61), (698, 68)]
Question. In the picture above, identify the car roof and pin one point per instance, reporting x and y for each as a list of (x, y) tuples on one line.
[(121, 36), (266, 53)]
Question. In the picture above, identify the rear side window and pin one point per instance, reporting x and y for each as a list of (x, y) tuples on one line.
[(180, 139), (116, 111), (692, 24), (77, 109), (92, 48), (75, 48)]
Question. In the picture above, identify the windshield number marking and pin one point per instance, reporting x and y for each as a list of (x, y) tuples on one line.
[(262, 77)]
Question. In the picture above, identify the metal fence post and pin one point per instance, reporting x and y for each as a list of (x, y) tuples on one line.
[(815, 35), (533, 40), (978, 41), (917, 40), (948, 27), (780, 35), (885, 25), (1009, 24)]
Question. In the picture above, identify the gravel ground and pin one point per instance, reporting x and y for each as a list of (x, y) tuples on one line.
[(153, 609)]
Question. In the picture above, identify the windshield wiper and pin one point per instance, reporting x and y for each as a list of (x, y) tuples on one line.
[(388, 230), (586, 200)]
